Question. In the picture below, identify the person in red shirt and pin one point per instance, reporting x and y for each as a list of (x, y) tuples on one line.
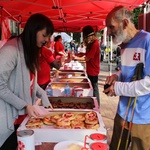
[(59, 51), (47, 61), (92, 58)]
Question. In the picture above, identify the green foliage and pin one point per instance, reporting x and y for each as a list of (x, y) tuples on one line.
[(137, 12)]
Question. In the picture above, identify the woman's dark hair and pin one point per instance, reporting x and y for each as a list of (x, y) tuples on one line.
[(35, 23), (57, 38)]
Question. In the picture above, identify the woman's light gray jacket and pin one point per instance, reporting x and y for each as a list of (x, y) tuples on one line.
[(15, 87)]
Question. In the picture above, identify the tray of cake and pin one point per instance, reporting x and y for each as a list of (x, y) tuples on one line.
[(74, 103), (64, 125), (58, 88)]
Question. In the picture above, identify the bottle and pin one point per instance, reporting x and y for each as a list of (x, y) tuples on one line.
[(67, 90), (49, 90)]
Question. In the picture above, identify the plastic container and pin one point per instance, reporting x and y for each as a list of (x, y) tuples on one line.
[(79, 92), (67, 90), (49, 90), (99, 146), (98, 137), (67, 66)]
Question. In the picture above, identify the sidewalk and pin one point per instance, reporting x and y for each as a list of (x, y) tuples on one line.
[(108, 104)]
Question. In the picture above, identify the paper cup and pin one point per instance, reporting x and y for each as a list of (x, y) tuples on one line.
[(25, 140)]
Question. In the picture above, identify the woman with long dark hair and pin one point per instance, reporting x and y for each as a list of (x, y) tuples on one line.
[(18, 77)]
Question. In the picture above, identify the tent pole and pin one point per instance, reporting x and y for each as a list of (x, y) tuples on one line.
[(9, 14), (110, 71), (19, 24), (144, 18), (81, 39)]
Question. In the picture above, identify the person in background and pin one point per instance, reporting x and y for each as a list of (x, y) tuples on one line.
[(76, 47), (66, 47), (135, 49), (81, 48), (47, 61), (50, 46), (108, 53), (72, 46), (59, 53), (18, 77), (92, 58)]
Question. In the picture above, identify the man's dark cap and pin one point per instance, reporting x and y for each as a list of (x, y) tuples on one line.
[(87, 30)]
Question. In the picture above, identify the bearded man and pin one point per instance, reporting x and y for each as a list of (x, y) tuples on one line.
[(132, 120)]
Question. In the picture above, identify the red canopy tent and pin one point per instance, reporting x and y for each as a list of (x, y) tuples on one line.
[(67, 15)]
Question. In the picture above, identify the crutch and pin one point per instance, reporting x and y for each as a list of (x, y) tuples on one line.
[(123, 123), (137, 76), (130, 124)]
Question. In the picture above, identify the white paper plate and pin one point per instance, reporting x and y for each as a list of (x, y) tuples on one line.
[(64, 145)]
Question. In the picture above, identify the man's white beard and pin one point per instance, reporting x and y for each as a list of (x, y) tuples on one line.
[(120, 36)]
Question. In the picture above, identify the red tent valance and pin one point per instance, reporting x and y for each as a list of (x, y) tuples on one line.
[(67, 15)]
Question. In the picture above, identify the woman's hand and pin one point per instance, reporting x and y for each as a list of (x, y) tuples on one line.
[(31, 111), (51, 106)]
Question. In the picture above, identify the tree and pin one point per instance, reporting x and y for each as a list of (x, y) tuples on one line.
[(137, 12)]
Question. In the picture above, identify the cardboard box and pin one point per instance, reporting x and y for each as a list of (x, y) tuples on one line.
[(74, 103), (51, 134), (58, 88)]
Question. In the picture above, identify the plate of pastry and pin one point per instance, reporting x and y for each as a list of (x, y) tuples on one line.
[(70, 145)]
